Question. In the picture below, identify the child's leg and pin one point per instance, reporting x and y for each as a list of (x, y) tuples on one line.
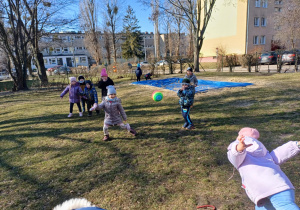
[(79, 107), (280, 201), (89, 105), (184, 112), (284, 200), (83, 104), (105, 130), (125, 126), (71, 107)]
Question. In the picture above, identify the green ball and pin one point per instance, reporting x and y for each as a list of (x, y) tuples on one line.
[(157, 96)]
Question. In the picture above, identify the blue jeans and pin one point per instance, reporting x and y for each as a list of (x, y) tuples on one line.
[(186, 115), (284, 200)]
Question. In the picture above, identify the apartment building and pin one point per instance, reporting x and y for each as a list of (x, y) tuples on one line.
[(241, 27)]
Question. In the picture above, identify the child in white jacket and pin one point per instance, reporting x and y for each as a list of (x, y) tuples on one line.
[(263, 180)]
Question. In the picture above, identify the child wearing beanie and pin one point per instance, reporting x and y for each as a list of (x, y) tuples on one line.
[(263, 180), (104, 82), (91, 96), (114, 113), (81, 81), (74, 95), (186, 99), (192, 77), (138, 73)]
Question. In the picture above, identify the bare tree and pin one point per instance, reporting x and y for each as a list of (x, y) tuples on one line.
[(288, 25), (111, 21), (107, 45), (89, 22), (197, 13)]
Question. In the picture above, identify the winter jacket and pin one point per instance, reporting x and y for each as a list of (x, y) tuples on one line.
[(74, 93), (193, 79), (186, 97), (114, 111), (102, 85), (260, 170), (82, 85), (138, 72), (90, 94)]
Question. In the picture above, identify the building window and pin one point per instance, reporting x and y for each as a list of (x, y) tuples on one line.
[(256, 21), (52, 61), (79, 48), (263, 22), (65, 50), (257, 3), (265, 4), (82, 59), (278, 2), (57, 50), (263, 40), (277, 9), (255, 40)]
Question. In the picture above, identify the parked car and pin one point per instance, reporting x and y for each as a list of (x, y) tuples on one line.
[(162, 62), (52, 69), (268, 58), (184, 60), (63, 70), (290, 56), (3, 76), (144, 63)]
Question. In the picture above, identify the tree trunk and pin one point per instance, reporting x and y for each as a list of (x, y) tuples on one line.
[(39, 61)]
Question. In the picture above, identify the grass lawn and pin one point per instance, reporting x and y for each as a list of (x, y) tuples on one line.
[(47, 158)]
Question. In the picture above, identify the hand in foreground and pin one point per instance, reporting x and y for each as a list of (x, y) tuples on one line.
[(242, 146)]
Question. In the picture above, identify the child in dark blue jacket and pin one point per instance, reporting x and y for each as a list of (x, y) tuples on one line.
[(91, 96), (138, 73), (186, 95)]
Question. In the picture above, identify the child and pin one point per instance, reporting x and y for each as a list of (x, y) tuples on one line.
[(192, 77), (138, 72), (148, 76), (91, 96), (74, 95), (186, 95), (104, 82), (114, 113), (264, 182), (81, 81)]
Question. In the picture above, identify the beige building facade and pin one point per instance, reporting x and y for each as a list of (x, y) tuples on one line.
[(241, 26)]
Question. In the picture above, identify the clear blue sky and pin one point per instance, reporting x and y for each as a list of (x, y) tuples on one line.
[(141, 11)]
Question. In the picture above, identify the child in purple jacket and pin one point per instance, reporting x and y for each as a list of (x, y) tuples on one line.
[(74, 95), (263, 180)]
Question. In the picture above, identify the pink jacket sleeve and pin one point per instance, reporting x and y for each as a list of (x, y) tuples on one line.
[(285, 152), (236, 158)]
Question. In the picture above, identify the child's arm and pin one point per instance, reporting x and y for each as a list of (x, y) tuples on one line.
[(122, 111), (65, 91), (237, 152), (95, 96), (285, 152)]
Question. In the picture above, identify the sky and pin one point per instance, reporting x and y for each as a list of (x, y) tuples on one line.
[(142, 14)]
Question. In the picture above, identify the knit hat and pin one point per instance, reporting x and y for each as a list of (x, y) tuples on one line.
[(80, 77), (111, 90), (72, 79), (251, 132), (138, 65), (103, 73), (89, 82), (185, 81), (190, 69)]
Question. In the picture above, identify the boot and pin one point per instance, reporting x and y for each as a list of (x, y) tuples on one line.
[(70, 115), (106, 138), (132, 131), (80, 114)]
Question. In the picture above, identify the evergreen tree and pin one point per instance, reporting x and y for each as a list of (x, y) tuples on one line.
[(132, 46)]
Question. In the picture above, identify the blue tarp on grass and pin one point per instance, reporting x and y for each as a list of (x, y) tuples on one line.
[(174, 84)]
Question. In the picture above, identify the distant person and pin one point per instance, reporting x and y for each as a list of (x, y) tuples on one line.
[(148, 76), (191, 76), (186, 100), (104, 82), (74, 95), (91, 96), (81, 81), (114, 113), (264, 182), (138, 73)]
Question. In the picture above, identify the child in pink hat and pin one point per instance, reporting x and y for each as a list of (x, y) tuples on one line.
[(104, 82), (263, 180)]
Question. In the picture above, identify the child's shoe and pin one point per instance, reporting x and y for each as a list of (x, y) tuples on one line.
[(70, 115), (185, 125), (106, 138), (80, 114), (132, 131), (190, 127)]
